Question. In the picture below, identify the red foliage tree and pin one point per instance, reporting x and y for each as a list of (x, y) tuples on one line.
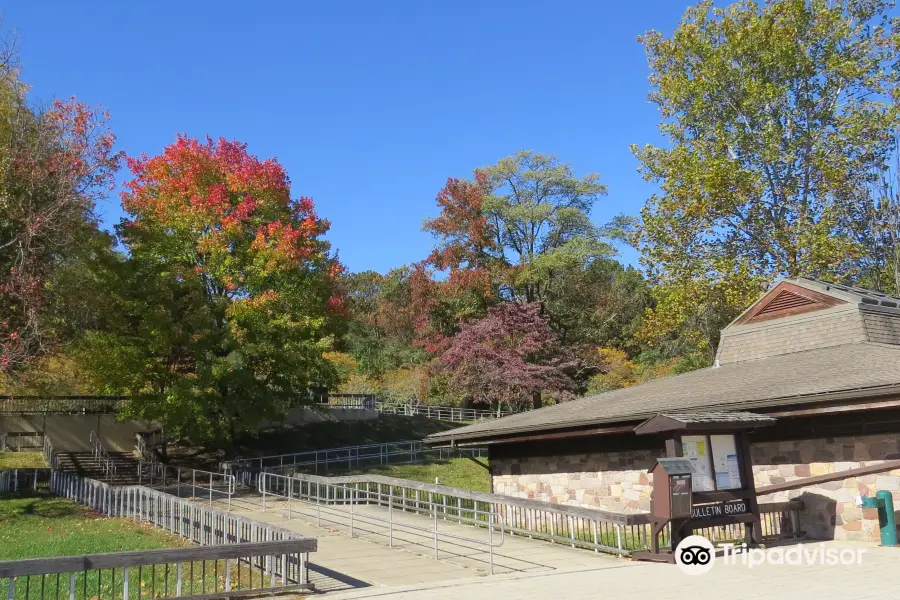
[(511, 355), (54, 166)]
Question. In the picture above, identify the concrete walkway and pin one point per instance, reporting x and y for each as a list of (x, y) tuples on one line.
[(401, 554), (877, 578)]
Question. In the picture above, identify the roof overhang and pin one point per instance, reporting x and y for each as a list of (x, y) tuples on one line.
[(806, 405), (702, 421)]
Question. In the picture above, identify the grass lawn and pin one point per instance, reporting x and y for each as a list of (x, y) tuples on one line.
[(456, 472), (22, 460), (33, 526)]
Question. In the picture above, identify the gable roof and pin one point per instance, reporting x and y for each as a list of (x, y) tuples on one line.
[(848, 371), (803, 294)]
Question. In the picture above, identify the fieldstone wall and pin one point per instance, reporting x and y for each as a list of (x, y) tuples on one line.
[(830, 510), (618, 481), (615, 481)]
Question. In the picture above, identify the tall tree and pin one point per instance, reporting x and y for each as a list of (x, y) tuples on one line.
[(512, 355), (55, 163), (518, 224), (231, 297), (775, 115)]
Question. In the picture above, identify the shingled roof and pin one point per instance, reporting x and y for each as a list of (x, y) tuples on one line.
[(851, 371)]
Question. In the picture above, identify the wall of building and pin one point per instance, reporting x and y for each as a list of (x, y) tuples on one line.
[(830, 510), (618, 481), (882, 326), (797, 333)]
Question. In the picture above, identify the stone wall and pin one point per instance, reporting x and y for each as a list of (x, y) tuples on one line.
[(615, 481), (830, 510), (618, 481)]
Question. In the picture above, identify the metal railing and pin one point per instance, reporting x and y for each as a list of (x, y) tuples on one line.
[(263, 558), (593, 529), (443, 413), (338, 505), (98, 451), (145, 441), (206, 572), (354, 401), (344, 459), (15, 441), (202, 484), (49, 453), (60, 404), (16, 480)]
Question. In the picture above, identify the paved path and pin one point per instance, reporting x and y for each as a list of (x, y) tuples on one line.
[(878, 578), (342, 562)]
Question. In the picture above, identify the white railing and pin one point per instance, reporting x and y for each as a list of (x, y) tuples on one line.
[(202, 484), (49, 453), (443, 413), (101, 455), (593, 529), (338, 505), (15, 480), (199, 524), (348, 458)]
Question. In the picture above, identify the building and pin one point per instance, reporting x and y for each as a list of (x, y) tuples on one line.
[(823, 359)]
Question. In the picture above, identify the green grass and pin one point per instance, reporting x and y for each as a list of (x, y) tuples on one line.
[(33, 526), (22, 460), (456, 472)]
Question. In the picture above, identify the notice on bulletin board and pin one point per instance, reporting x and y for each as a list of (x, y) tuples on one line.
[(728, 474), (695, 449)]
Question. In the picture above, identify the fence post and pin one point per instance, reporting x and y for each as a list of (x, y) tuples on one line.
[(390, 516), (434, 511), (210, 488), (619, 539), (491, 540)]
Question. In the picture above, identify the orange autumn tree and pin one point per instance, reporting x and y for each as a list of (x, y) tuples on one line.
[(233, 300)]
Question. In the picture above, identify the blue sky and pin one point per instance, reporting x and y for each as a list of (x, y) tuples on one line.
[(369, 106)]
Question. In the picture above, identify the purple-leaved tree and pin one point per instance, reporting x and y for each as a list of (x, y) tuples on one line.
[(511, 355)]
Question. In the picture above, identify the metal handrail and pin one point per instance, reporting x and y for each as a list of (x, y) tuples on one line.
[(444, 413), (576, 526), (168, 476), (49, 453), (99, 452), (208, 527), (283, 486), (349, 457)]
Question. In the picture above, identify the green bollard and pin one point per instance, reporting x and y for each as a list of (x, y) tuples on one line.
[(886, 519), (884, 502)]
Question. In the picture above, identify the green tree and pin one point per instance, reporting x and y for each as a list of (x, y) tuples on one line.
[(519, 224), (776, 116), (228, 300)]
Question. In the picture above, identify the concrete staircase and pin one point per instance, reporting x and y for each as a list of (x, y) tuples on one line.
[(87, 465)]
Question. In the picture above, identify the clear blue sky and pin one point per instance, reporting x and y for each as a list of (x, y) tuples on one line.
[(369, 106)]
